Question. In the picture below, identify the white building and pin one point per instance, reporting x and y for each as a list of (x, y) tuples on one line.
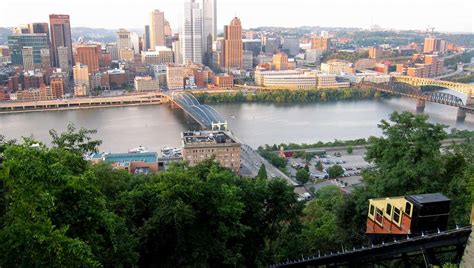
[(135, 40), (191, 41), (146, 83), (313, 55), (337, 67), (209, 29), (160, 55)]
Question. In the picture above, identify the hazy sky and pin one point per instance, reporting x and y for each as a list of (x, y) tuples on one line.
[(444, 15)]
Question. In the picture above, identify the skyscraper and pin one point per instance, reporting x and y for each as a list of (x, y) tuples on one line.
[(17, 42), (209, 30), (89, 55), (431, 44), (157, 29), (60, 37), (146, 38), (39, 27), (63, 59), (191, 38), (233, 46), (124, 42)]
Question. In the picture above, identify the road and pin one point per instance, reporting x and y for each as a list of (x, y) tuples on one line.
[(252, 157)]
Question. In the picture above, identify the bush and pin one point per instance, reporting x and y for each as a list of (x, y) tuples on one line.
[(335, 171)]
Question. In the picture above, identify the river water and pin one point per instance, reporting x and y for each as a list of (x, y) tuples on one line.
[(254, 123)]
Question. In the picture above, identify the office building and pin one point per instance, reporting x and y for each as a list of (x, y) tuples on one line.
[(287, 79), (327, 81), (89, 55), (209, 30), (135, 41), (161, 55), (177, 52), (112, 49), (337, 67), (167, 29), (224, 81), (321, 43), (16, 43), (271, 45), (39, 27), (45, 58), (127, 54), (233, 46), (203, 145), (143, 84), (313, 56), (60, 37), (157, 29), (191, 37), (175, 76), (375, 52), (247, 60), (57, 87), (291, 45), (81, 75), (63, 59), (431, 44), (27, 58), (124, 41), (280, 61), (254, 45), (146, 38)]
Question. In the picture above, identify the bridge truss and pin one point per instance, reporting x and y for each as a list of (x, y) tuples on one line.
[(205, 115)]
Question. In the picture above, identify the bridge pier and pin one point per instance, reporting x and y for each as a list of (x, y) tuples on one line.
[(461, 114), (420, 105)]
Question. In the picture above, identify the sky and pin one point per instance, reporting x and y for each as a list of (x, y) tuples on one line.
[(444, 15)]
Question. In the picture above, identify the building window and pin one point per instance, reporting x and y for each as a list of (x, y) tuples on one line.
[(408, 208), (389, 209), (396, 215), (372, 209)]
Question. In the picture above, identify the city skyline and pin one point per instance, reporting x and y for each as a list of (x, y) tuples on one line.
[(456, 17)]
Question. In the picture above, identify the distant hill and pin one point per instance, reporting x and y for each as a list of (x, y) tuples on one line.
[(4, 33), (93, 34)]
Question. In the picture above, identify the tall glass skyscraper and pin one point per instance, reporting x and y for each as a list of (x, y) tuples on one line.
[(191, 37), (17, 42)]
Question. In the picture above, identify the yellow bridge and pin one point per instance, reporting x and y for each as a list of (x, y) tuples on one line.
[(418, 81)]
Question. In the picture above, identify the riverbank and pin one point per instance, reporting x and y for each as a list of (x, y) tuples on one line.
[(288, 96)]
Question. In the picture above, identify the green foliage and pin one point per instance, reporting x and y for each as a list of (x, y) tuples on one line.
[(287, 96), (63, 212), (274, 159), (79, 141), (345, 55), (321, 230), (469, 78), (319, 165), (335, 171), (262, 172), (350, 150), (465, 57), (302, 176)]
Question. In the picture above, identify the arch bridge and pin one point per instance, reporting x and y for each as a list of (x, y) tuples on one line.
[(405, 86), (204, 115)]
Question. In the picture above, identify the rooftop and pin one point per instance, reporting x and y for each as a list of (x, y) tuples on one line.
[(207, 138), (148, 157), (428, 198)]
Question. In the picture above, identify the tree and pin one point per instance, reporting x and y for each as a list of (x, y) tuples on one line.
[(335, 171), (321, 230), (350, 150), (319, 165), (302, 176), (408, 157), (79, 141), (262, 172)]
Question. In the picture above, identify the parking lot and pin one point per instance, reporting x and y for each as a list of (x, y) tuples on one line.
[(353, 165)]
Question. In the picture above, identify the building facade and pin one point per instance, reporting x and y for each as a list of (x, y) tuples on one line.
[(192, 32), (143, 84), (233, 45), (60, 37), (37, 42), (157, 29), (203, 145), (89, 55)]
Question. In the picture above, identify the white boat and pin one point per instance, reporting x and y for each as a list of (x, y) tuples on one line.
[(140, 149)]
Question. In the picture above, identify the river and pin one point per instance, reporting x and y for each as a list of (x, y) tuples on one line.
[(254, 123)]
